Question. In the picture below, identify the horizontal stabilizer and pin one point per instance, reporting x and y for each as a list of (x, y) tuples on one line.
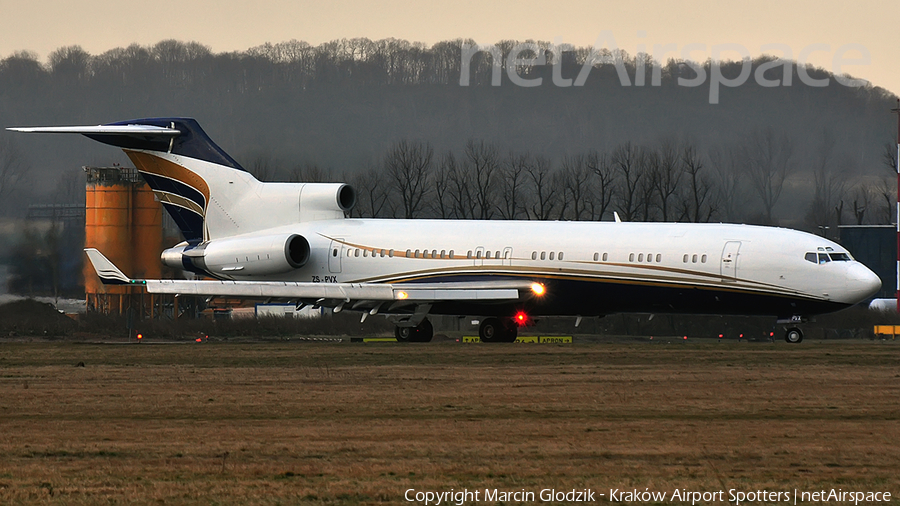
[(135, 130), (108, 273)]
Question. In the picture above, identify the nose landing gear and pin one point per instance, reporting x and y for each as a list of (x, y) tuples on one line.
[(793, 335)]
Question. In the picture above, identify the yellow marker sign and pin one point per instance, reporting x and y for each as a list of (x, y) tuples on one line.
[(528, 339), (892, 330), (556, 339)]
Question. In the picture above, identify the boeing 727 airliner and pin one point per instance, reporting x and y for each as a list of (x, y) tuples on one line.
[(292, 241)]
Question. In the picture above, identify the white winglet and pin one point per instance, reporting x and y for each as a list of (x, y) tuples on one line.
[(107, 271)]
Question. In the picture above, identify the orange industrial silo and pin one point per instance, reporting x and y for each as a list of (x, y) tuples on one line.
[(146, 241), (123, 221)]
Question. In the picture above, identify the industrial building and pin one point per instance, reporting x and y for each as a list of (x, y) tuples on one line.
[(125, 222)]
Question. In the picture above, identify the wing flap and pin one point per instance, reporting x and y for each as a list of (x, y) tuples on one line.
[(279, 289)]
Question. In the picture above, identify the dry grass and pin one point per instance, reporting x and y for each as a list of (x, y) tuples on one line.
[(359, 424)]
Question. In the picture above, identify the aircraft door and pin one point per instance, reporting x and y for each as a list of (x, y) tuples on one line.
[(479, 256), (729, 263), (335, 252), (507, 256)]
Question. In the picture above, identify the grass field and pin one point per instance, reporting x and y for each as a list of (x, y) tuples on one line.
[(339, 423)]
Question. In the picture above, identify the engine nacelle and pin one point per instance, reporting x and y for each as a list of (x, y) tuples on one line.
[(280, 204), (325, 200), (242, 256)]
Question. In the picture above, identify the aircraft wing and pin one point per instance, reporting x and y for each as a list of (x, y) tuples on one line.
[(360, 295)]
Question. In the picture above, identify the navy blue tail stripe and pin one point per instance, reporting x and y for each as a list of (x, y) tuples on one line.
[(189, 222)]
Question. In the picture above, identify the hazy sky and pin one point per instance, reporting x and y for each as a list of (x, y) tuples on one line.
[(228, 25)]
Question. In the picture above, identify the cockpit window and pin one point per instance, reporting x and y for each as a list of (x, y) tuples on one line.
[(840, 257), (823, 258), (811, 257)]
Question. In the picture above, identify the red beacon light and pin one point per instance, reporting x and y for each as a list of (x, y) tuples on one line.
[(521, 318)]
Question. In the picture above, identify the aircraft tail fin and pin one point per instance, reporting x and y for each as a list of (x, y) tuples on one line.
[(205, 191), (182, 165)]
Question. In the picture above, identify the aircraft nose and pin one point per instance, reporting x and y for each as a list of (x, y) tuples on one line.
[(862, 283)]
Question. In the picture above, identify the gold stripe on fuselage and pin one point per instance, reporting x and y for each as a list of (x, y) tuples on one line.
[(735, 285)]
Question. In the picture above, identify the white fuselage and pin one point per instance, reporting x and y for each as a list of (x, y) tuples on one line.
[(594, 267)]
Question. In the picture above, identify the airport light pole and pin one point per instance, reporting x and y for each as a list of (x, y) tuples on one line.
[(897, 166)]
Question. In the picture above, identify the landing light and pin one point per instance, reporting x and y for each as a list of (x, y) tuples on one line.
[(402, 295), (538, 289)]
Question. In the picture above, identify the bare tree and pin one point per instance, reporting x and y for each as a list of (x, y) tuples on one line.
[(768, 163), (648, 163), (483, 163), (12, 165), (890, 156), (69, 188), (70, 65), (543, 187), (408, 166), (372, 192), (459, 192), (512, 181), (604, 183), (697, 200), (727, 171), (576, 187), (828, 182), (626, 160), (886, 191), (861, 199), (667, 176), (441, 183), (309, 173), (262, 167)]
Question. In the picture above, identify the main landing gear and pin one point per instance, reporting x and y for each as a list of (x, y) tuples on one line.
[(421, 333), (498, 330)]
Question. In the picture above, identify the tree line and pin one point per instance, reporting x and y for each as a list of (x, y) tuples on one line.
[(670, 180)]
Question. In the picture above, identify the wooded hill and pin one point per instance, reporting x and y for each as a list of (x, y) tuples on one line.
[(377, 112)]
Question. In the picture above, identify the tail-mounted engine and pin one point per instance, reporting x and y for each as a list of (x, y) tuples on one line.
[(241, 256)]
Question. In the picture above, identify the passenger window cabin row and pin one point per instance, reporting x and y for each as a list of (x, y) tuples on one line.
[(552, 255)]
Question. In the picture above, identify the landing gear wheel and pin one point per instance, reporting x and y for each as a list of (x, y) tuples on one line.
[(403, 334), (424, 332), (419, 334), (498, 330), (491, 331), (793, 335)]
